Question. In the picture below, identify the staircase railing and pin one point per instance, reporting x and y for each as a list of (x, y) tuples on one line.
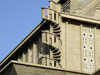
[(51, 15), (51, 39), (47, 61)]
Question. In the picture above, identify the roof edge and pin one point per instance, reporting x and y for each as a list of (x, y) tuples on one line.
[(42, 66), (22, 42)]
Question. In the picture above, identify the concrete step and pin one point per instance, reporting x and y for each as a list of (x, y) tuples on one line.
[(56, 31)]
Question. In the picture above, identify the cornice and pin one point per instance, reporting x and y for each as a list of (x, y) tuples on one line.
[(82, 18)]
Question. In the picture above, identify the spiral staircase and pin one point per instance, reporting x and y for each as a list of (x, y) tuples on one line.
[(52, 39)]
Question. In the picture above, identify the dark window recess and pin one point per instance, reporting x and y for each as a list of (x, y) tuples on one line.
[(54, 16), (91, 60), (50, 16), (46, 50), (83, 34), (84, 59), (55, 39), (54, 63), (90, 35), (46, 37), (84, 46), (90, 47)]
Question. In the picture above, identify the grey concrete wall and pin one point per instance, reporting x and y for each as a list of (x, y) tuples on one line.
[(74, 54), (97, 44), (10, 70), (30, 70)]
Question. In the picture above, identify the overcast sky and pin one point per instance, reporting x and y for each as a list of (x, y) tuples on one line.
[(17, 19)]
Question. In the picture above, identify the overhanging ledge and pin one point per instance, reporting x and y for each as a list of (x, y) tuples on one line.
[(29, 67), (80, 18)]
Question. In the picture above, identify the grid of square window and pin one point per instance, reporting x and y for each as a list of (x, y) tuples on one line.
[(88, 49)]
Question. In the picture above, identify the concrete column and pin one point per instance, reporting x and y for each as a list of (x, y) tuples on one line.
[(23, 56), (66, 43), (48, 60), (81, 47), (28, 55), (51, 4), (48, 13), (34, 52), (95, 54)]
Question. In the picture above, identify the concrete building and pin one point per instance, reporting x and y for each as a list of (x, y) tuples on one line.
[(66, 42)]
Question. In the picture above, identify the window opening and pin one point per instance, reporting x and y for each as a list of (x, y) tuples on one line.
[(84, 59), (90, 35), (84, 34), (55, 39), (55, 16)]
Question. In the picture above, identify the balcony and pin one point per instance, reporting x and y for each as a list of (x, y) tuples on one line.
[(47, 61), (51, 40), (51, 15)]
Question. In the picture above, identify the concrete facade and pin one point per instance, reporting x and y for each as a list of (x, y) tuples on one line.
[(66, 42)]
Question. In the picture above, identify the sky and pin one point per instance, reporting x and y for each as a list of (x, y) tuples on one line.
[(17, 19)]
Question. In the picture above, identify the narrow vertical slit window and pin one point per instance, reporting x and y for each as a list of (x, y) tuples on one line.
[(55, 16), (55, 39)]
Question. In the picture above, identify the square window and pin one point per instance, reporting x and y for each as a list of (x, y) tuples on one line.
[(90, 35), (91, 60), (91, 48), (84, 47), (84, 59), (84, 34)]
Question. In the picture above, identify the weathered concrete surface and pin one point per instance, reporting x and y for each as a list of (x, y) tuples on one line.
[(22, 69), (10, 70)]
